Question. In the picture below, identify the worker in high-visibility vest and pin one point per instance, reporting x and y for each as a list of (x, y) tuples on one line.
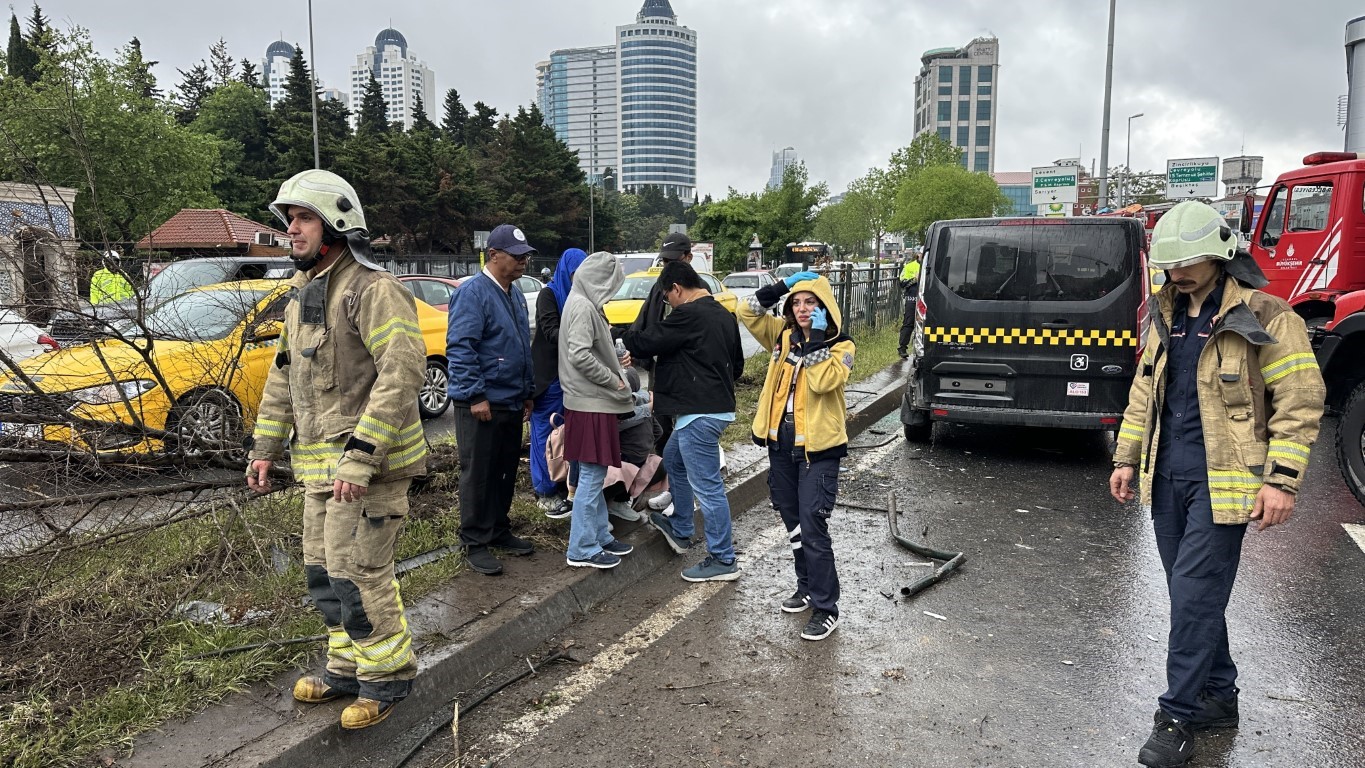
[(108, 284), (910, 285)]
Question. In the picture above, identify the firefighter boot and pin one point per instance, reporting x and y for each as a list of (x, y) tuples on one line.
[(314, 690), (365, 713)]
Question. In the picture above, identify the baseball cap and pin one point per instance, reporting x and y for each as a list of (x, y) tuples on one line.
[(675, 245), (509, 239)]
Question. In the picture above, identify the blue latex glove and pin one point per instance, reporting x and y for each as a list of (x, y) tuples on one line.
[(819, 319), (791, 280)]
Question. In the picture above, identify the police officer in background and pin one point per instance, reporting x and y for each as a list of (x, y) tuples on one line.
[(345, 383), (1220, 417), (910, 285)]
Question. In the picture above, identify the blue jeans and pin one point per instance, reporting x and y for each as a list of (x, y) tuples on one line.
[(692, 460), (1200, 559), (588, 527), (551, 401)]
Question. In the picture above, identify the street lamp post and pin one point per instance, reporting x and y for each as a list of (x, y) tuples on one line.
[(1127, 161), (592, 186)]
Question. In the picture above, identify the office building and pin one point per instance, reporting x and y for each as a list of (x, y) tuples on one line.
[(656, 66), (576, 91), (401, 76), (275, 69), (955, 99), (781, 159)]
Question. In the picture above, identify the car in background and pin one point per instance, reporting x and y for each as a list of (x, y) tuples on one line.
[(436, 291), (787, 270), (211, 350), (171, 281), (746, 284), (625, 306), (20, 340)]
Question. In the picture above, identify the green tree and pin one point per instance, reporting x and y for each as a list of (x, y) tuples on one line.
[(942, 192), (220, 63), (730, 223), (788, 210), (238, 116), (83, 124), (1144, 187), (291, 125), (455, 117), (841, 225), (21, 58), (194, 86), (536, 181), (250, 76), (374, 113), (927, 150), (420, 121), (137, 71), (481, 127)]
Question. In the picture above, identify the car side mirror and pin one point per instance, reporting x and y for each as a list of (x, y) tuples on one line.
[(267, 330)]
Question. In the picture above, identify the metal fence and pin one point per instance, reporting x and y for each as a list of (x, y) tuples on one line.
[(870, 296)]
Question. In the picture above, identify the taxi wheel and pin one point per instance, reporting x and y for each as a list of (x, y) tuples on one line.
[(434, 398), (209, 423)]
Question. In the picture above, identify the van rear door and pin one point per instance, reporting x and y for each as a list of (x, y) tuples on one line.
[(1031, 321)]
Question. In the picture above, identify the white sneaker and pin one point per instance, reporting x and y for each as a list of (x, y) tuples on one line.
[(663, 500), (623, 510)]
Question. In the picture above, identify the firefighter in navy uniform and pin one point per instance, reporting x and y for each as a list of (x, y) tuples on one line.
[(1220, 418), (345, 383)]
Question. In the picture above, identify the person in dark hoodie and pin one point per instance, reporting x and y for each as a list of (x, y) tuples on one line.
[(548, 396), (698, 359), (595, 393), (801, 420)]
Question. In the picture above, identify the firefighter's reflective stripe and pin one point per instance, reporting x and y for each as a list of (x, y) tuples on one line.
[(1287, 449), (1129, 432), (389, 654), (411, 447), (272, 428), (339, 645), (1233, 490), (1036, 336), (315, 461), (1286, 365), (376, 431), (395, 327)]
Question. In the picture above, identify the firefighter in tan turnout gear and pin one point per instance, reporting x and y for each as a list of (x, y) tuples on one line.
[(345, 383)]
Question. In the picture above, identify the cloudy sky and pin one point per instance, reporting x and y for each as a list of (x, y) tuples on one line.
[(835, 78)]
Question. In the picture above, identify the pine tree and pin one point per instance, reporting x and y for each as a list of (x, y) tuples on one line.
[(220, 63), (420, 121), (298, 86), (374, 113), (250, 76), (137, 71), (291, 124), (40, 33), (22, 60), (456, 117), (194, 86), (481, 127)]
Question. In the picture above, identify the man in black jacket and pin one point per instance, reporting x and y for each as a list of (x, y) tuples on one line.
[(699, 358), (676, 247)]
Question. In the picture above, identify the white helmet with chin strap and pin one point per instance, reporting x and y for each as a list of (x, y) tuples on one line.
[(335, 202), (1189, 233)]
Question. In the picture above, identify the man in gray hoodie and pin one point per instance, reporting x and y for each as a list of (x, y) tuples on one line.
[(595, 392)]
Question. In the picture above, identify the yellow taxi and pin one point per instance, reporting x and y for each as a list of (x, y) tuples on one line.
[(199, 376), (625, 306)]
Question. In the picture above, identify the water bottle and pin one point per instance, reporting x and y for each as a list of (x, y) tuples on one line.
[(620, 350)]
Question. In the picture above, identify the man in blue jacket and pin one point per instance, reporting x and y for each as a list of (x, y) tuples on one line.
[(488, 346)]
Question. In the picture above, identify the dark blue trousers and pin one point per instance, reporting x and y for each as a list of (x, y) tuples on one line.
[(1201, 560), (804, 494)]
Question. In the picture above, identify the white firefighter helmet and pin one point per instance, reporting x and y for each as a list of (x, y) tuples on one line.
[(1189, 233)]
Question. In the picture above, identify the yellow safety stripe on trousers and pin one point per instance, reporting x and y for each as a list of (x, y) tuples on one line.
[(272, 429), (1299, 361), (381, 335), (339, 645), (391, 653), (375, 431), (1050, 336), (1288, 449), (1129, 432)]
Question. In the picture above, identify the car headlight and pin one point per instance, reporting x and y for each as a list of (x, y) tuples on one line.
[(114, 393)]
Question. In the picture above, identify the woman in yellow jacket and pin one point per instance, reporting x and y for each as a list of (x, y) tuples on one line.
[(800, 420)]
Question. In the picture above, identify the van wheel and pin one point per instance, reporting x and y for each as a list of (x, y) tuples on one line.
[(921, 429), (1351, 442)]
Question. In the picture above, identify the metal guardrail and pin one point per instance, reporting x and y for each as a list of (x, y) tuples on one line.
[(870, 296)]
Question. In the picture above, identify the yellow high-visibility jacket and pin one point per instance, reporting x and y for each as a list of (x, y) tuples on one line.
[(347, 387), (1260, 399), (107, 285)]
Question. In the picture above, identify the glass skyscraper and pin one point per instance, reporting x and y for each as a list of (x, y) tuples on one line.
[(576, 91), (955, 99), (656, 67)]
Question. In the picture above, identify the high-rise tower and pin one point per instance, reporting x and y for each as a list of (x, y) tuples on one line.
[(656, 67), (401, 77), (955, 98)]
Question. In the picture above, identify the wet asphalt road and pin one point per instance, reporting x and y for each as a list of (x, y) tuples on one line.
[(1050, 652)]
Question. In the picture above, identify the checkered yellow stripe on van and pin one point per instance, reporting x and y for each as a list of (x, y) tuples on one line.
[(1039, 336)]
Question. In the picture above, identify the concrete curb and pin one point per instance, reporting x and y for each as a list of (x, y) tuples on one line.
[(266, 729)]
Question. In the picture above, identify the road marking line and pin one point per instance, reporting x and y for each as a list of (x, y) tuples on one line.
[(1357, 533), (614, 658)]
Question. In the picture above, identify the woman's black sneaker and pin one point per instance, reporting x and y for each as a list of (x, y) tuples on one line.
[(798, 602), (1171, 744), (821, 624)]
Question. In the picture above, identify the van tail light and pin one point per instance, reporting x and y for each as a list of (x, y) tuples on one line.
[(49, 342), (921, 309), (1109, 421), (940, 412)]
